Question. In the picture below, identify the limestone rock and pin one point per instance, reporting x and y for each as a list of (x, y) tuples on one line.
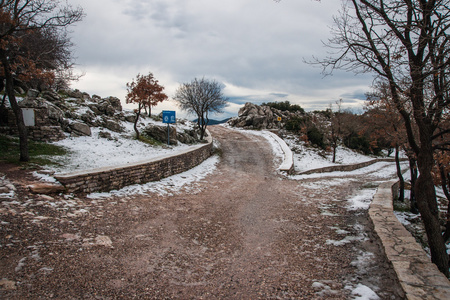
[(80, 129), (112, 125), (51, 96), (103, 240), (159, 133), (115, 103), (46, 188), (253, 116), (8, 285)]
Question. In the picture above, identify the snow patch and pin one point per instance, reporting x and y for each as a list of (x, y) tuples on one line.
[(166, 186), (362, 292)]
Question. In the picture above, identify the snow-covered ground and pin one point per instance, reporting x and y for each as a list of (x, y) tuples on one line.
[(91, 152)]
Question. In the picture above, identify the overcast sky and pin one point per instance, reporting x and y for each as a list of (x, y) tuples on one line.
[(256, 48)]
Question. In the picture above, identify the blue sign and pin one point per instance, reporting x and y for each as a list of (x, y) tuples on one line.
[(169, 116)]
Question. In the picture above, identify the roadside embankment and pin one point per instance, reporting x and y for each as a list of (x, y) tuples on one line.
[(418, 276)]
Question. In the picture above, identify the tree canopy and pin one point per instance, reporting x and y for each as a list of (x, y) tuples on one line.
[(33, 45), (406, 45), (146, 92), (201, 97)]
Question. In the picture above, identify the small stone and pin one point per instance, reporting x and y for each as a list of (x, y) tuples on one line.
[(103, 240), (8, 285)]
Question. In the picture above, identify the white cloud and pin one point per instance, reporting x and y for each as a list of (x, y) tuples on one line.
[(256, 47)]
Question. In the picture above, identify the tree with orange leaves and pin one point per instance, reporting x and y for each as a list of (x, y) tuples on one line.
[(20, 56), (145, 92)]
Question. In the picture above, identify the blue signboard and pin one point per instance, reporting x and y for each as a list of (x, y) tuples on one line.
[(169, 116)]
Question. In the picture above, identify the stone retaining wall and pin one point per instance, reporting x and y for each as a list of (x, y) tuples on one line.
[(37, 133), (418, 276), (113, 178), (346, 168), (43, 131)]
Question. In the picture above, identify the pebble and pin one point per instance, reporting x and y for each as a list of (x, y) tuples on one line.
[(8, 285)]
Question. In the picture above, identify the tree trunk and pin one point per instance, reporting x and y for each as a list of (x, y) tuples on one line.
[(445, 180), (426, 201), (401, 196), (138, 114), (413, 171), (23, 133), (202, 124), (334, 153)]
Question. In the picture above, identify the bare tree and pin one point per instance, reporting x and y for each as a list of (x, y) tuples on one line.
[(336, 127), (20, 22), (405, 43), (201, 97)]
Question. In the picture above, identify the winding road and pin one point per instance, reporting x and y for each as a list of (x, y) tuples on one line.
[(246, 232)]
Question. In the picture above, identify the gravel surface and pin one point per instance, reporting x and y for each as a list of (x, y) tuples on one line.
[(246, 232)]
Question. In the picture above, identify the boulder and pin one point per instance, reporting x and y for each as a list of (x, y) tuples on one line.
[(188, 136), (32, 94), (159, 133), (76, 94), (112, 125), (46, 188), (51, 96), (115, 103), (80, 129), (89, 118), (54, 112), (108, 106), (253, 116), (106, 135)]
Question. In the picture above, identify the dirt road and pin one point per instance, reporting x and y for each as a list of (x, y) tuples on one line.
[(246, 233)]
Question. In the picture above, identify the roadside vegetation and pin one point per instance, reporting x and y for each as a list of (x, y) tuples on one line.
[(40, 153)]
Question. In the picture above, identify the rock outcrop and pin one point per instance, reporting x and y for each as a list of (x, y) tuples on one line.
[(70, 111), (253, 116), (159, 133)]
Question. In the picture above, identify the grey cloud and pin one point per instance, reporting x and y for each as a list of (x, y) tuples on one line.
[(258, 48)]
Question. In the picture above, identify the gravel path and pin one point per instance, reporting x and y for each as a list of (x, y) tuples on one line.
[(245, 233)]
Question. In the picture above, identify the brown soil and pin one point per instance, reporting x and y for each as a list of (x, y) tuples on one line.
[(246, 232)]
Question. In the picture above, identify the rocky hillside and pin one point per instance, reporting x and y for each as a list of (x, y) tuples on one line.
[(77, 112)]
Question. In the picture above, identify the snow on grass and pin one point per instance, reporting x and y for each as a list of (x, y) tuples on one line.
[(380, 170), (308, 158), (91, 152)]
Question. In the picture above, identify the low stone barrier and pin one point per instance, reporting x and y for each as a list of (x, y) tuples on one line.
[(346, 168), (113, 178), (418, 276)]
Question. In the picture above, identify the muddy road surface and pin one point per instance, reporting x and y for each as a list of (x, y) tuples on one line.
[(245, 232)]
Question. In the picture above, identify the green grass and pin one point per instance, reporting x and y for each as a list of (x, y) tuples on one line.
[(10, 152), (149, 140)]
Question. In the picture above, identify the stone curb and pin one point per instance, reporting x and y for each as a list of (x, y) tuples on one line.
[(347, 168), (418, 276), (288, 160)]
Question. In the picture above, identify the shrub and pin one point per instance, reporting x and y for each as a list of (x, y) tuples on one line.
[(316, 137), (295, 124), (358, 142), (285, 106)]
